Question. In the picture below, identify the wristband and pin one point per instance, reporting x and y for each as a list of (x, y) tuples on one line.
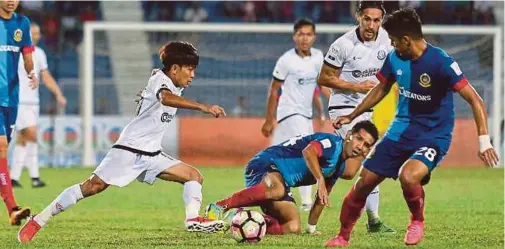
[(311, 228), (484, 143)]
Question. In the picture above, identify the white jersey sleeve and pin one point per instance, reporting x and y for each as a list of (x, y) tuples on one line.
[(281, 69), (162, 84), (338, 52), (42, 60)]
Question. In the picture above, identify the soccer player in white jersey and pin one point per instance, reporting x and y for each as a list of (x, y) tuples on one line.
[(137, 153), (293, 91), (26, 148), (349, 71)]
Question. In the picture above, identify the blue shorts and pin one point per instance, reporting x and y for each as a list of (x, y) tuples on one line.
[(257, 168), (389, 156), (8, 117)]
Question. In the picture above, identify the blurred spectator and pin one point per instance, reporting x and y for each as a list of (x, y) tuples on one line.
[(249, 12), (415, 4), (240, 110), (51, 27), (195, 13), (328, 14), (483, 13), (232, 9), (274, 11), (287, 11), (87, 14)]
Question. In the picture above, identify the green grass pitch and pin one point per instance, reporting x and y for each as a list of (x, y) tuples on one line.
[(464, 209)]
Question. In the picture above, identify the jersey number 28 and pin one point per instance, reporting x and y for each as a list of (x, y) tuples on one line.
[(429, 153)]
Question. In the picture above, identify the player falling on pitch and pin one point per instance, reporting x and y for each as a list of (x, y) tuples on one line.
[(293, 92), (300, 161), (349, 71), (15, 40), (137, 153), (25, 151), (421, 132)]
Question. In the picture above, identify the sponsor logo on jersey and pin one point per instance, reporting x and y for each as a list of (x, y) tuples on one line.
[(399, 72), (306, 81), (165, 117), (425, 80), (7, 48), (381, 55), (366, 73), (18, 35), (331, 58), (416, 96)]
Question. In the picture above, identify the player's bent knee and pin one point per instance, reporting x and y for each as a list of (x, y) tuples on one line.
[(347, 175), (408, 179), (292, 227), (196, 176), (93, 186)]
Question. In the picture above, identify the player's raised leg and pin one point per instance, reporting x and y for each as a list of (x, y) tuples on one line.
[(262, 187), (411, 174), (65, 200), (192, 180), (352, 206)]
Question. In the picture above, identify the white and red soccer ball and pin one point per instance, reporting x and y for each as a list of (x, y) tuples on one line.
[(248, 226)]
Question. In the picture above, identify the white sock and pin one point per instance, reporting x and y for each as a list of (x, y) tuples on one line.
[(32, 159), (306, 194), (66, 199), (18, 161), (192, 196), (372, 205)]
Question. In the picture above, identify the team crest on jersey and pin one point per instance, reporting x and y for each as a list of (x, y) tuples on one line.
[(381, 54), (18, 35), (425, 80)]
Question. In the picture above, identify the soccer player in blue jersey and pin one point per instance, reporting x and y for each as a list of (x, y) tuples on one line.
[(301, 161), (14, 39), (421, 132)]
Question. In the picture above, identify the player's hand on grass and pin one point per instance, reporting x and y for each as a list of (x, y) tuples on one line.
[(267, 128), (34, 82), (489, 157), (214, 110), (366, 86), (342, 120), (322, 193)]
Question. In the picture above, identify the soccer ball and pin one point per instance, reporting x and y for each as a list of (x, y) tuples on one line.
[(248, 226)]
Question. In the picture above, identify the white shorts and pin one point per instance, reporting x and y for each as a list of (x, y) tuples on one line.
[(28, 115), (345, 128), (291, 127), (120, 167)]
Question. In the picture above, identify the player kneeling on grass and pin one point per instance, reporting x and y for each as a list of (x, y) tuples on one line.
[(301, 161), (137, 153)]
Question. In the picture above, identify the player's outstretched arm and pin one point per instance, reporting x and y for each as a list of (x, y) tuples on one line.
[(329, 77), (53, 87), (30, 69), (486, 151), (273, 101), (311, 156), (318, 104), (372, 98), (169, 99)]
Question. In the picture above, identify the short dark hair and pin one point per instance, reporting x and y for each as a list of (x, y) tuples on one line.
[(362, 5), (368, 126), (404, 22), (178, 53), (304, 22)]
